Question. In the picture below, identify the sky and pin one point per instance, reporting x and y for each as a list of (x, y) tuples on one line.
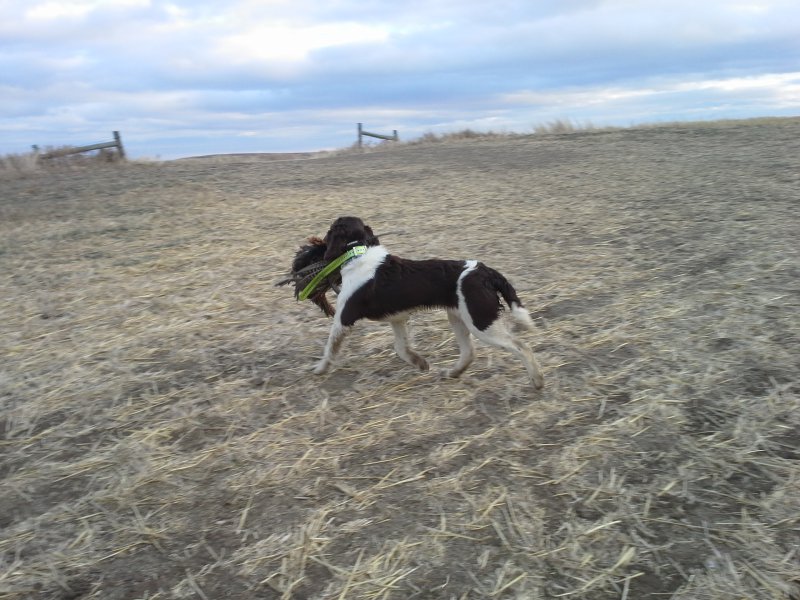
[(192, 77)]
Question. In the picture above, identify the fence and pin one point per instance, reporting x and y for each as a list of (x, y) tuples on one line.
[(116, 143), (362, 133)]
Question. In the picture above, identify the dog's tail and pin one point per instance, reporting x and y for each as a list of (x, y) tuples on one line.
[(509, 294)]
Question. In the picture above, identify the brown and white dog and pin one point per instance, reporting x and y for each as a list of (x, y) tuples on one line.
[(383, 287)]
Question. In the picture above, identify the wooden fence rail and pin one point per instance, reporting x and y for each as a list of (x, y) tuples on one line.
[(362, 133), (115, 143)]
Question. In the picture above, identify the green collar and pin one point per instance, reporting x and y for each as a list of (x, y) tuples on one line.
[(330, 268)]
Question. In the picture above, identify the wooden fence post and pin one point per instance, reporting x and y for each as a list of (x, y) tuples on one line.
[(360, 141), (120, 149)]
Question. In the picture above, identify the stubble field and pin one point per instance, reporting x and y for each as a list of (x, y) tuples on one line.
[(162, 435)]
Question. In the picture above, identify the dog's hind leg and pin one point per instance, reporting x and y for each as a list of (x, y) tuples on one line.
[(498, 335), (402, 345), (338, 332), (467, 353)]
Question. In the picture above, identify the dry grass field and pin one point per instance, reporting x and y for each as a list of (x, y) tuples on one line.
[(162, 435)]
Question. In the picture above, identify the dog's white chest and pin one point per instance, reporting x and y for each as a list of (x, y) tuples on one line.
[(359, 271)]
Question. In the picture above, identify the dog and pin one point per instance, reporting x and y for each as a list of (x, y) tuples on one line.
[(379, 286)]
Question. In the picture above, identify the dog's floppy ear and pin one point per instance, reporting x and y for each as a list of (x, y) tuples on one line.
[(343, 232), (346, 232), (335, 240)]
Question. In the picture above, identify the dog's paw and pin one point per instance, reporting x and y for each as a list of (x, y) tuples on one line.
[(321, 367), (420, 363), (538, 382), (450, 373)]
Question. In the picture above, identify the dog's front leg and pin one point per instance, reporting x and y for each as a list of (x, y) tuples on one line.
[(338, 331)]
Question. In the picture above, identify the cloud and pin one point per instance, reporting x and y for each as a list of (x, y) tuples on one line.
[(784, 86), (162, 71), (286, 43)]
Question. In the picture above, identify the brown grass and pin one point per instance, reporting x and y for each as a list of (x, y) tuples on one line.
[(17, 165), (14, 166), (163, 437)]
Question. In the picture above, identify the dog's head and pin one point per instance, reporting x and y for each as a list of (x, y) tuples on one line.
[(345, 233)]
